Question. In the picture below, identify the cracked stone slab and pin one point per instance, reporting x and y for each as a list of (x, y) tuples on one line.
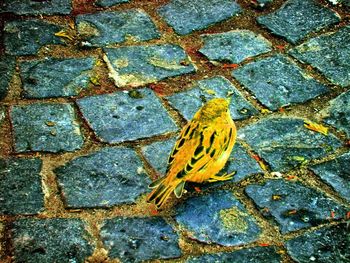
[(217, 218), (35, 7), (26, 37), (51, 240), (294, 206), (277, 81), (55, 77), (249, 255), (134, 24), (126, 116), (137, 239), (139, 65), (338, 113), (157, 155), (187, 16), (189, 102), (292, 21), (104, 178), (108, 3), (7, 69), (20, 186), (328, 244), (285, 143), (329, 53), (234, 46), (336, 173), (45, 127)]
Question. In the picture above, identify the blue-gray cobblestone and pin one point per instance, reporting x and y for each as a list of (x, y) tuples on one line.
[(26, 37), (336, 173), (277, 81), (45, 127), (285, 143), (189, 102), (139, 65), (338, 113), (292, 21), (50, 240), (186, 16), (104, 178), (328, 244), (329, 53), (7, 68), (20, 186), (217, 218), (95, 29), (157, 154), (138, 239), (40, 78), (108, 3), (294, 206), (126, 116), (234, 46), (35, 7), (249, 255)]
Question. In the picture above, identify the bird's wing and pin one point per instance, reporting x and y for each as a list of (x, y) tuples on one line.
[(196, 149)]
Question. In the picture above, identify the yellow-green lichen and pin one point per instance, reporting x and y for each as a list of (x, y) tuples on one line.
[(166, 64), (234, 220), (121, 62)]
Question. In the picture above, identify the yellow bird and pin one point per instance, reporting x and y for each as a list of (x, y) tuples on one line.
[(200, 152)]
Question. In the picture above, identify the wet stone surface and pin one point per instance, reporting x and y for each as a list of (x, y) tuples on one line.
[(285, 143), (45, 127), (292, 21), (107, 3), (105, 178), (138, 239), (95, 29), (217, 218), (277, 81), (158, 62), (26, 37), (186, 16), (250, 255), (35, 7), (293, 205), (126, 116), (7, 68), (328, 244), (336, 173), (40, 78), (50, 240), (189, 102), (338, 113), (234, 46), (20, 186), (329, 53)]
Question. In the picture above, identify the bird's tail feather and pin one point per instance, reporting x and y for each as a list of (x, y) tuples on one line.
[(162, 192)]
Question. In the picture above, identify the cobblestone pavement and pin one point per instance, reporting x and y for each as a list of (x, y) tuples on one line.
[(94, 93)]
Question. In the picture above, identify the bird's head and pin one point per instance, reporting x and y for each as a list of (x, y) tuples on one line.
[(215, 108)]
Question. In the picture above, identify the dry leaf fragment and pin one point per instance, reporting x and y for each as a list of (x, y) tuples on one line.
[(315, 127)]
